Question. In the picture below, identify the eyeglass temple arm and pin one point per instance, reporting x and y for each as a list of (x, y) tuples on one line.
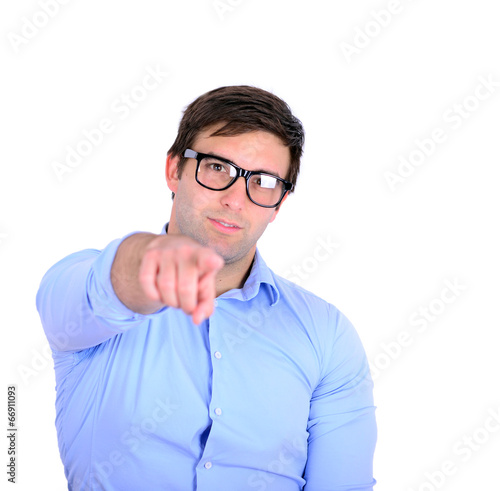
[(190, 154)]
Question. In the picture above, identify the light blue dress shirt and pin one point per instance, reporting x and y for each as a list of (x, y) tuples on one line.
[(272, 392)]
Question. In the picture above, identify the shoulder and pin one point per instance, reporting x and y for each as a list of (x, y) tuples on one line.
[(333, 336), (313, 310)]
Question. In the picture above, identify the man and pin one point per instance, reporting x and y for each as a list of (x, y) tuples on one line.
[(182, 361)]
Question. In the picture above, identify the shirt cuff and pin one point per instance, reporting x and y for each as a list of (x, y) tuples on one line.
[(101, 294)]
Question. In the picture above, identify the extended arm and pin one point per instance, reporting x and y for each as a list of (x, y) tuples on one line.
[(90, 296), (153, 271)]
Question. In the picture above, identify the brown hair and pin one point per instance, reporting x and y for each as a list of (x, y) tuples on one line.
[(241, 109)]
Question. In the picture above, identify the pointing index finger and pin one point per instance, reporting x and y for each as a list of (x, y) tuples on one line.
[(212, 264)]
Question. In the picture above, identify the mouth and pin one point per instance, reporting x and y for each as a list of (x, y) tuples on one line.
[(224, 225)]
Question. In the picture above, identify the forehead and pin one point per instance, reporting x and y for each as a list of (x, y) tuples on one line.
[(254, 150)]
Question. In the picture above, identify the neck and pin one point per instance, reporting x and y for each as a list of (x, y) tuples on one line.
[(233, 276)]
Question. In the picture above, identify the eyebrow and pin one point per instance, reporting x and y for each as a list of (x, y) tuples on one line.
[(264, 171)]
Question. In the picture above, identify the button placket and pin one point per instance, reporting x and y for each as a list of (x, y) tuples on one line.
[(215, 410)]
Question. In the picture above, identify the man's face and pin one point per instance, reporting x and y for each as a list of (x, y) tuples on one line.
[(197, 211)]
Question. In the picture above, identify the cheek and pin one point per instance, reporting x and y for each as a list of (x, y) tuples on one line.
[(272, 215), (203, 198), (263, 220), (192, 194)]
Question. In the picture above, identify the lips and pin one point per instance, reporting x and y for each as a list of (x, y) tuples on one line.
[(225, 225)]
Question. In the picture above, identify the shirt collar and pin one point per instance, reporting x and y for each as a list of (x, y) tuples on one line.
[(259, 275)]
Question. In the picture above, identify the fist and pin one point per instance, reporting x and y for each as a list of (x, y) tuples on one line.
[(179, 272)]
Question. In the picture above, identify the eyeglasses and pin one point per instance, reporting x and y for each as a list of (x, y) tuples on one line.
[(217, 174)]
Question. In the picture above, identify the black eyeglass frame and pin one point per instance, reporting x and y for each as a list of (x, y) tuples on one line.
[(240, 172)]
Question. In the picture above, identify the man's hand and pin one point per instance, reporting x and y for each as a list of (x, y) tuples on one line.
[(153, 271)]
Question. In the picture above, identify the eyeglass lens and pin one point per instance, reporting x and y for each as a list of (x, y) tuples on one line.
[(217, 174)]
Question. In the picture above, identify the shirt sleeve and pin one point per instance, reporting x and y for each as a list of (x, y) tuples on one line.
[(77, 304), (342, 426)]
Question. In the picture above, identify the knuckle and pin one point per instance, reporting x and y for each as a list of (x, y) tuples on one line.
[(165, 283), (144, 277), (185, 288)]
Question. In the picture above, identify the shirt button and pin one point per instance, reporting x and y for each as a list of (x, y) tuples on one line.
[(218, 355), (208, 465), (218, 411), (216, 303)]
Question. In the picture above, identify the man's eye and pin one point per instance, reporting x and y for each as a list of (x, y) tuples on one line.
[(264, 181), (216, 167)]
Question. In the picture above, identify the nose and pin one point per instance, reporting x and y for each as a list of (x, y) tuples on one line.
[(235, 196)]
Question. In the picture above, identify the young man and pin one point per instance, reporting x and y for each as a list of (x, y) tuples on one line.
[(182, 361)]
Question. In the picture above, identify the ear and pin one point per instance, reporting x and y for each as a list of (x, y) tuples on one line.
[(275, 213), (171, 173)]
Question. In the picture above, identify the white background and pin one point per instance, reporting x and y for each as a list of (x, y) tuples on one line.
[(396, 249)]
